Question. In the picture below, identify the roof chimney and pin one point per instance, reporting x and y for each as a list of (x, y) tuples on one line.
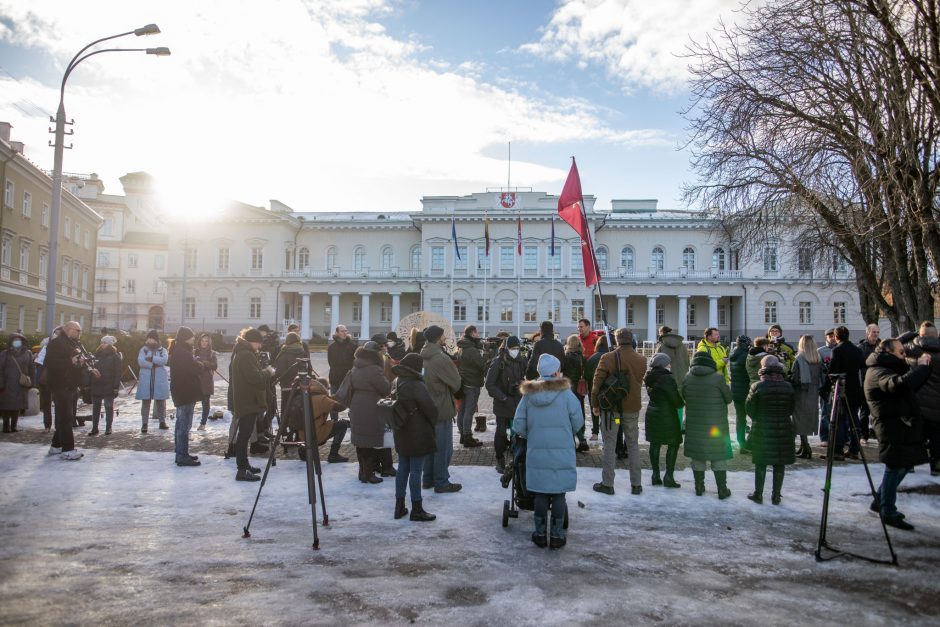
[(17, 146), (5, 131)]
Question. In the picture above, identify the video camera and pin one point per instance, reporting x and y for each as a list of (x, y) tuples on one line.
[(304, 371), (264, 358)]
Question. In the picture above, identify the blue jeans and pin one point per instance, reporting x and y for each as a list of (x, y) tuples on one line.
[(409, 472), (437, 463), (184, 422), (468, 407), (96, 402), (888, 491)]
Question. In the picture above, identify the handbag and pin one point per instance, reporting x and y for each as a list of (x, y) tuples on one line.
[(388, 438), (25, 381), (582, 387)]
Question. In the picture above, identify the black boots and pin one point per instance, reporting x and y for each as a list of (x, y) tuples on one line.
[(671, 454), (367, 464), (500, 464), (13, 422), (480, 424), (778, 484), (583, 446), (418, 514), (400, 509), (6, 424), (557, 537), (699, 482), (246, 475), (721, 478), (468, 441), (654, 463), (760, 473), (9, 424)]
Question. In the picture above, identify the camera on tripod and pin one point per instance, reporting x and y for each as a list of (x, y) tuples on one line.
[(264, 358), (304, 371)]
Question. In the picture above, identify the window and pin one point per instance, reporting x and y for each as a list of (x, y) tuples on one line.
[(507, 261), (722, 315), (804, 261), (189, 307), (553, 262), (770, 312), (839, 264), (660, 314), (437, 258), (27, 205), (359, 259), (627, 258), (222, 260), (78, 233), (104, 259), (770, 259), (87, 242), (385, 312), (529, 311), (39, 319), (107, 227), (221, 308), (189, 260), (3, 315), (85, 281), (688, 258), (6, 256), (328, 312), (690, 315), (838, 312), (42, 264), (303, 258), (629, 313), (331, 258), (718, 259), (254, 307), (357, 311), (601, 254), (657, 259), (530, 260), (8, 194), (157, 286), (131, 260), (437, 306), (577, 263), (505, 311), (483, 309), (461, 261), (131, 286), (44, 216), (257, 258), (24, 257), (577, 308), (101, 314), (806, 312), (67, 229), (554, 311), (76, 269), (159, 261), (460, 310), (65, 272), (388, 259), (415, 257)]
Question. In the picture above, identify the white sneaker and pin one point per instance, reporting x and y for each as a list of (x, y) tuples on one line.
[(54, 450), (72, 455)]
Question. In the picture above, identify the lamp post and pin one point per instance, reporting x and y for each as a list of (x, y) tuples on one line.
[(59, 145)]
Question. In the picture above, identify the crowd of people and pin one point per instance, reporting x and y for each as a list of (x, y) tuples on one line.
[(408, 397)]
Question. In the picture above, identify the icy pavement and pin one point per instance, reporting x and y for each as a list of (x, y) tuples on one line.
[(125, 537)]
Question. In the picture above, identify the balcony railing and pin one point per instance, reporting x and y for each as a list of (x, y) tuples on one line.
[(336, 273)]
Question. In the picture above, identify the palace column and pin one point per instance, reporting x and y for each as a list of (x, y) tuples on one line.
[(713, 311), (651, 318), (305, 316), (621, 311), (334, 312), (396, 309), (684, 317), (364, 331)]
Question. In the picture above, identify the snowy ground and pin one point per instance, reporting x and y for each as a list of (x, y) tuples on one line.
[(126, 537)]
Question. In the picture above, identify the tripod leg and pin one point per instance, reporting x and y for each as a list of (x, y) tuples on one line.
[(830, 453), (319, 470), (309, 441)]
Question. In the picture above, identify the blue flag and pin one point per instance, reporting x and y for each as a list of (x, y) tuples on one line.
[(453, 233), (552, 249)]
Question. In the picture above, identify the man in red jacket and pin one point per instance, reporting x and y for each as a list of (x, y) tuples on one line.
[(587, 336)]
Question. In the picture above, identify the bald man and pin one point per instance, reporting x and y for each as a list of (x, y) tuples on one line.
[(63, 377)]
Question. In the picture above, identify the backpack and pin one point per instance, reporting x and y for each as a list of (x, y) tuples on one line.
[(614, 389)]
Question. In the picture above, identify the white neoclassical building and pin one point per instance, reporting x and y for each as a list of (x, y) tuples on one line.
[(251, 265)]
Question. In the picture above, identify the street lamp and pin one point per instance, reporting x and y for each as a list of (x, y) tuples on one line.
[(51, 272)]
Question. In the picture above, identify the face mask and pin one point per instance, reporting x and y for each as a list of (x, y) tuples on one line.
[(513, 352), (17, 344), (390, 344)]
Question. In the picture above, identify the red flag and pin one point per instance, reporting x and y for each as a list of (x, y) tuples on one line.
[(518, 235), (571, 211)]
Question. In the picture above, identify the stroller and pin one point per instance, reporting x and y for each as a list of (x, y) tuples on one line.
[(514, 479)]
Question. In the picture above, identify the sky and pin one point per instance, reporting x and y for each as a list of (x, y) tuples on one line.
[(361, 105)]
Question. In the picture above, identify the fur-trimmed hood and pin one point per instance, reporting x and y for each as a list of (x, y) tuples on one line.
[(544, 391), (367, 357)]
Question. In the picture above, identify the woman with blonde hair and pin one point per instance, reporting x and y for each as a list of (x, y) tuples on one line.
[(806, 377), (573, 370)]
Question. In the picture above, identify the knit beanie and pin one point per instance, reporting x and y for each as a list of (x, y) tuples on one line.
[(433, 333), (413, 361), (660, 360), (548, 365)]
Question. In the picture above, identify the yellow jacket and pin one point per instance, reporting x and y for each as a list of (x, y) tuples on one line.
[(718, 353)]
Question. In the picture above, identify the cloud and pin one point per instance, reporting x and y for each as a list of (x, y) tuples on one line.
[(311, 102), (638, 42)]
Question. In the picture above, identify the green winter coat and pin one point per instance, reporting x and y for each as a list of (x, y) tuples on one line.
[(442, 380), (706, 397), (472, 365), (672, 345), (770, 406), (754, 355), (249, 381)]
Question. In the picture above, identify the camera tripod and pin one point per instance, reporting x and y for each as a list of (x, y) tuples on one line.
[(840, 407), (312, 461)]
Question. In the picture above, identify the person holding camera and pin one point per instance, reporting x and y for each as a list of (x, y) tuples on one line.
[(63, 366), (414, 439), (506, 372), (251, 384), (890, 389), (321, 406), (779, 348), (848, 360), (290, 361), (104, 389), (17, 376), (153, 386), (472, 372)]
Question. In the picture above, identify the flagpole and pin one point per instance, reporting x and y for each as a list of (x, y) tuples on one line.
[(486, 306), (597, 273)]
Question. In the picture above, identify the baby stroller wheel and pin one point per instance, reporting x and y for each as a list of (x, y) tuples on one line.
[(505, 513), (302, 453)]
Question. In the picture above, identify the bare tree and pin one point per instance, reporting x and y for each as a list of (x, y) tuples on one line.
[(806, 119)]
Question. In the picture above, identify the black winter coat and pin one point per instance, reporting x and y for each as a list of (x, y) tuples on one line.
[(109, 366), (368, 384), (663, 425), (928, 396), (706, 412), (590, 367), (416, 438), (249, 383), (847, 359), (890, 389), (572, 368), (185, 387), (61, 374), (339, 356), (472, 366), (737, 367), (502, 383), (770, 406), (286, 365), (547, 345), (13, 396), (210, 363)]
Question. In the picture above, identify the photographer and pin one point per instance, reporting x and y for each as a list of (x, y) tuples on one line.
[(291, 361), (104, 389), (472, 371), (269, 350), (63, 364), (321, 406), (506, 372), (890, 386), (779, 348), (848, 360), (251, 385)]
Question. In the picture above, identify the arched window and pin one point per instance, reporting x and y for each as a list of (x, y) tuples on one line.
[(359, 258), (331, 257), (416, 257), (387, 259), (719, 261), (303, 258), (688, 258), (627, 258), (658, 259), (601, 254)]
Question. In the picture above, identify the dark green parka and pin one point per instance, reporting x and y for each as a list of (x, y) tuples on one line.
[(770, 406), (706, 411)]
